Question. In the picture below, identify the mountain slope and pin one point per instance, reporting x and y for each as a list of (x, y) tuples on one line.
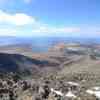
[(23, 64)]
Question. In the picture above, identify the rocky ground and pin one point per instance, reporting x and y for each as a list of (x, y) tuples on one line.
[(48, 88)]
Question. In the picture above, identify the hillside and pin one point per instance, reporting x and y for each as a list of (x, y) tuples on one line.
[(23, 64), (65, 68)]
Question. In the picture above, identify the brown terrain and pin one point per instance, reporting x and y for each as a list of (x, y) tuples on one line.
[(66, 72)]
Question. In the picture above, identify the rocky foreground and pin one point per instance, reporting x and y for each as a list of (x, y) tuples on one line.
[(48, 88)]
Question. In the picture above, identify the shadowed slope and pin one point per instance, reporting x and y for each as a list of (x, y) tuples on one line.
[(21, 64)]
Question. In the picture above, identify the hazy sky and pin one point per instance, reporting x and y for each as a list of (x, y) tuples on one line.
[(50, 18)]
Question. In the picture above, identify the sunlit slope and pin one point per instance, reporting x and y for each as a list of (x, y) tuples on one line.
[(84, 65)]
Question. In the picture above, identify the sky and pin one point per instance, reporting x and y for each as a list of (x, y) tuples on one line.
[(75, 18)]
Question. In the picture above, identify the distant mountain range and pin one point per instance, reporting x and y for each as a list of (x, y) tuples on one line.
[(41, 44)]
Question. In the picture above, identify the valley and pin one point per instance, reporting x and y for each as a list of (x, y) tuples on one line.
[(55, 70)]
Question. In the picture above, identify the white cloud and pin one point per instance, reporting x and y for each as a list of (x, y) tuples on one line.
[(18, 19), (22, 24), (89, 31), (7, 32), (59, 30)]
